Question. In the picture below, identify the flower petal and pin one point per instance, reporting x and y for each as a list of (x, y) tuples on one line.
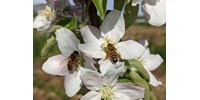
[(156, 15), (144, 42), (151, 2), (94, 50), (106, 65), (67, 41), (146, 54), (36, 2), (113, 25), (91, 34), (41, 23), (131, 92), (49, 8), (54, 66), (153, 62), (92, 80), (92, 95), (112, 74), (38, 7), (73, 82), (153, 80), (130, 49), (135, 2), (89, 63)]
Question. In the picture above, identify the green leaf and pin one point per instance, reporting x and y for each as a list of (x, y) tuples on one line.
[(140, 68), (130, 13), (141, 82), (48, 46), (101, 7), (72, 24), (152, 96), (124, 80), (62, 22), (119, 4)]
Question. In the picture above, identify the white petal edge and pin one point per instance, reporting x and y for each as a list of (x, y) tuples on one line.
[(131, 92), (94, 50), (73, 82), (130, 49), (156, 15), (104, 66), (89, 63), (38, 7), (150, 2), (91, 34), (135, 2), (36, 2), (144, 42), (54, 66), (92, 80), (153, 61), (153, 80), (113, 26), (67, 41), (92, 95), (112, 73), (41, 23)]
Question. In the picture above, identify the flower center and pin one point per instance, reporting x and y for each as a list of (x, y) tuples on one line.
[(106, 41), (46, 13), (106, 92)]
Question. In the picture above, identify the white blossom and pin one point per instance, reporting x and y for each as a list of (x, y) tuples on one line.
[(111, 31), (45, 15), (105, 86), (150, 63), (154, 11), (57, 65)]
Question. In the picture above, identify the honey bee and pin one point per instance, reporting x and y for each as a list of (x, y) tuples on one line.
[(73, 61), (112, 54)]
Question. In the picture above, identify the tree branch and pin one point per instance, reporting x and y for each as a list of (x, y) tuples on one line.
[(92, 12)]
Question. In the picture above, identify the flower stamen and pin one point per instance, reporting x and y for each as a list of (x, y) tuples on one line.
[(46, 13), (106, 41), (106, 93)]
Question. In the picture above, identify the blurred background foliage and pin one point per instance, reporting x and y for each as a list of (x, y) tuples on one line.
[(49, 87)]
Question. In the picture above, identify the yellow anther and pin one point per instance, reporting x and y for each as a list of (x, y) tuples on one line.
[(106, 93), (46, 13), (107, 41)]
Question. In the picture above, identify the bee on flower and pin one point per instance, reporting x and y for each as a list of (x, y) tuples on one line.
[(68, 63), (105, 43)]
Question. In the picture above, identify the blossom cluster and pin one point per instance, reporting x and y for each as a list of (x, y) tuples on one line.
[(111, 69)]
